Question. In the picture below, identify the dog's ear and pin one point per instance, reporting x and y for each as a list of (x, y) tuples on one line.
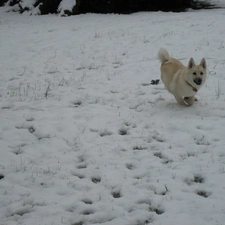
[(203, 63), (191, 63)]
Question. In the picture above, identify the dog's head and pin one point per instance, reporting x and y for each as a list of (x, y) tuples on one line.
[(196, 75)]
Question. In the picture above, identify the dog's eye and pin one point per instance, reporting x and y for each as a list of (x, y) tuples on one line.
[(195, 73), (201, 73)]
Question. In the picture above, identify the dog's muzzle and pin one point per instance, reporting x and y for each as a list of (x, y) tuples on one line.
[(198, 81)]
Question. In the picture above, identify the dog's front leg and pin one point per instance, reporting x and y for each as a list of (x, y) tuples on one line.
[(190, 100), (180, 100)]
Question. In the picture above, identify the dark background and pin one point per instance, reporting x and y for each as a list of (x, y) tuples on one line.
[(112, 6)]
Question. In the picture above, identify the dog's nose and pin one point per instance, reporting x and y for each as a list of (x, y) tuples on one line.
[(198, 81)]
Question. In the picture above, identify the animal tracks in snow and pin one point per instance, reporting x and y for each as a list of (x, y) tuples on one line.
[(89, 136)]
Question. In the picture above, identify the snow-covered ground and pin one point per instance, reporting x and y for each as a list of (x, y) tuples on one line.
[(86, 139)]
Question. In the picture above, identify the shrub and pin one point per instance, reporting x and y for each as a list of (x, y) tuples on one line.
[(72, 7)]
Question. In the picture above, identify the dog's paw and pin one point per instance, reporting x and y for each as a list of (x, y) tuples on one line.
[(190, 100)]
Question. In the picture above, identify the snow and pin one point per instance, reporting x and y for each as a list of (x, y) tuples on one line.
[(218, 3), (86, 139), (27, 4), (30, 9), (66, 5)]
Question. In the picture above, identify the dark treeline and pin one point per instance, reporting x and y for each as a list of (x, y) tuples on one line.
[(109, 6), (128, 6)]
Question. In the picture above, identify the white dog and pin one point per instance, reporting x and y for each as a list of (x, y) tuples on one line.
[(181, 81)]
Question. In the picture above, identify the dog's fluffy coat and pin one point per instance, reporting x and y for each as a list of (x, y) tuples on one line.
[(181, 81)]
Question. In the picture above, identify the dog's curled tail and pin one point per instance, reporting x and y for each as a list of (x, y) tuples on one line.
[(163, 55)]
